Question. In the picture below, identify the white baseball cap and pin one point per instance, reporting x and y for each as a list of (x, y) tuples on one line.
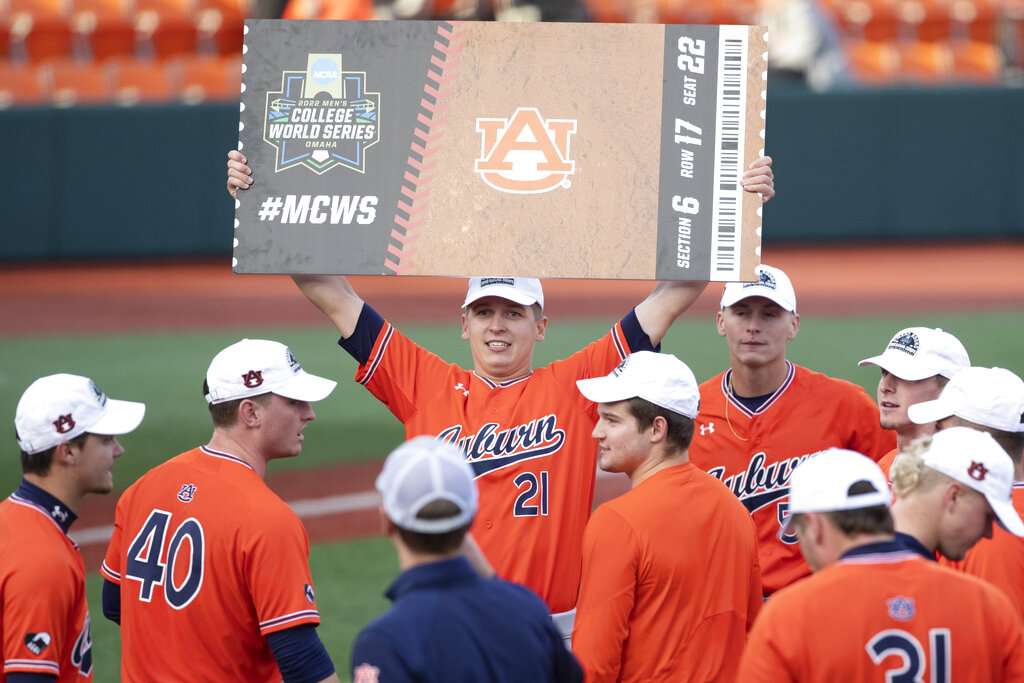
[(921, 352), (822, 483), (771, 283), (421, 471), (60, 407), (522, 290), (976, 460), (256, 366), (660, 378), (990, 397)]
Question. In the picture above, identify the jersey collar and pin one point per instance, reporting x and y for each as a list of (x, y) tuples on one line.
[(31, 495), (431, 574)]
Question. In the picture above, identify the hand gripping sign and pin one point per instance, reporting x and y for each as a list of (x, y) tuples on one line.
[(544, 149)]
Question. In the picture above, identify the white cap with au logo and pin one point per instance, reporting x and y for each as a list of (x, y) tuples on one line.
[(920, 352), (974, 459), (256, 366), (60, 407)]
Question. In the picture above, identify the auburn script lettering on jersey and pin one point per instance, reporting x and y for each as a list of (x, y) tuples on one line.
[(529, 441)]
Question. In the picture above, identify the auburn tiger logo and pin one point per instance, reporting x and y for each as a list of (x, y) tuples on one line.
[(977, 471), (525, 154), (253, 379), (64, 424)]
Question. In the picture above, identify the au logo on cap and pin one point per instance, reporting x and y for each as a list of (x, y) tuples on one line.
[(252, 379), (977, 471), (64, 424)]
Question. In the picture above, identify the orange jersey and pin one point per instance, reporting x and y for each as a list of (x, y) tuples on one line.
[(529, 441), (209, 561), (1000, 559), (44, 617), (885, 614), (755, 453), (670, 582), (885, 462)]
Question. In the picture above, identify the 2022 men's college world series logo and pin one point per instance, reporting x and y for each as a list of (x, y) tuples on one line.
[(322, 117)]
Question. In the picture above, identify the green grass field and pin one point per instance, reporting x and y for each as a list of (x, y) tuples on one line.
[(166, 371)]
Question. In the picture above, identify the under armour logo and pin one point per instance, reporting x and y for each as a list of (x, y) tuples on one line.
[(977, 471), (59, 513), (253, 379), (187, 493), (709, 428), (364, 673), (308, 590), (64, 424), (461, 387)]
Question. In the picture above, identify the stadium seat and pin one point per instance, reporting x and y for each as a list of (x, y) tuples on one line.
[(40, 29), (221, 24), (925, 62), (134, 81), (199, 78), (707, 11), (977, 63), (926, 20), (103, 28), (166, 28), (977, 20), (875, 20), (347, 9), (19, 85), (67, 82), (872, 62), (609, 11)]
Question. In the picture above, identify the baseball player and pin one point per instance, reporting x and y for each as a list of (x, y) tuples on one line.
[(874, 611), (526, 431), (949, 488), (916, 365), (990, 400), (765, 415), (207, 570), (66, 429), (447, 622), (670, 581)]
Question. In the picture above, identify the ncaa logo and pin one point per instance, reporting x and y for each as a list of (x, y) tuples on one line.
[(525, 154)]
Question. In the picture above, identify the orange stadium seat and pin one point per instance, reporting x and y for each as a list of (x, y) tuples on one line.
[(67, 82), (926, 20), (872, 62), (199, 78), (167, 28), (925, 63), (977, 20), (103, 28), (707, 11), (221, 24), (19, 85), (977, 63), (40, 29), (875, 20), (335, 9), (134, 81), (609, 11)]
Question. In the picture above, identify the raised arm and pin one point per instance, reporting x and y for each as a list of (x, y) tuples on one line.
[(671, 298)]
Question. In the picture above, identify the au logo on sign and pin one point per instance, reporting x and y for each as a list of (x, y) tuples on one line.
[(322, 117), (525, 154)]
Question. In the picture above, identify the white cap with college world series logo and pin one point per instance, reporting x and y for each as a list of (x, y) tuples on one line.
[(256, 366), (920, 352), (421, 471), (660, 378), (525, 291), (990, 397), (60, 407), (824, 483), (771, 283), (974, 459)]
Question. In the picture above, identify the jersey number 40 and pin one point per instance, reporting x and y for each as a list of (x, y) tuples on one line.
[(148, 546)]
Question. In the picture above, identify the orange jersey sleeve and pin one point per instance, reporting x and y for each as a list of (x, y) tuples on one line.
[(754, 453), (885, 462), (209, 561), (890, 617), (44, 616), (1000, 559), (670, 582), (528, 440)]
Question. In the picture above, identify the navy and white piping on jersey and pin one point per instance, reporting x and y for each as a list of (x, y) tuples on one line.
[(727, 376), (225, 456), (289, 618)]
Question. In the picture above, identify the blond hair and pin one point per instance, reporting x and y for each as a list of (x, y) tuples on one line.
[(909, 472)]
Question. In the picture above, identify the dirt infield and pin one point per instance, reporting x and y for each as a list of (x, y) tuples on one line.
[(337, 502), (69, 298)]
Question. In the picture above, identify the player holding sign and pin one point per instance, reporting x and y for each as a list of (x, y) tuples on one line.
[(526, 431), (874, 611)]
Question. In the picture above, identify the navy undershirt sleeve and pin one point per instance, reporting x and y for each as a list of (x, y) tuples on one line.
[(360, 344), (24, 677), (112, 601), (300, 655), (635, 335)]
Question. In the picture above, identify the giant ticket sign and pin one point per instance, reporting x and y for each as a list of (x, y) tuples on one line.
[(483, 148)]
